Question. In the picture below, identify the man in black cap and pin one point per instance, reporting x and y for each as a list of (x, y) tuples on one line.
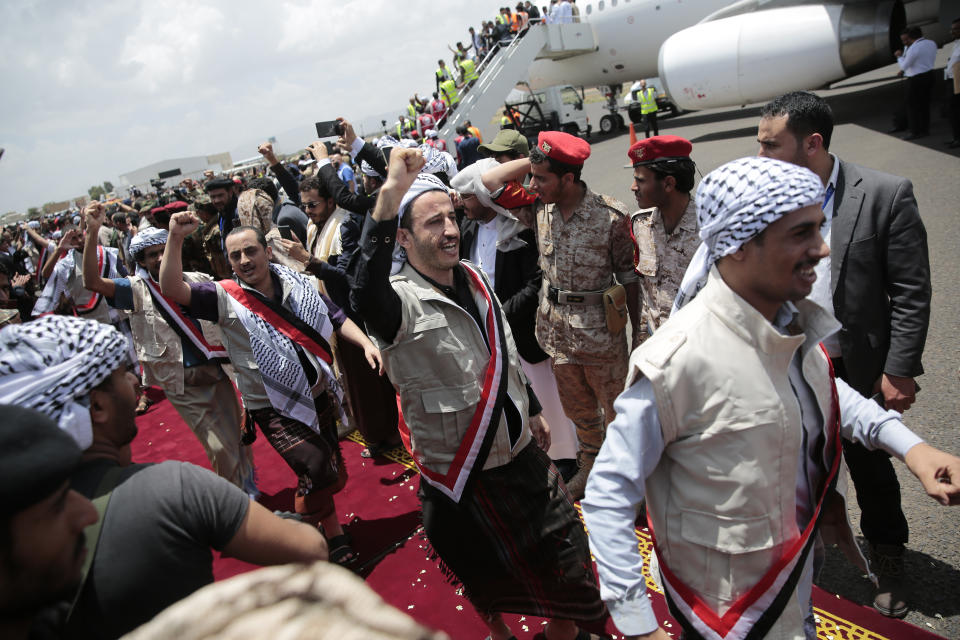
[(42, 545), (224, 195)]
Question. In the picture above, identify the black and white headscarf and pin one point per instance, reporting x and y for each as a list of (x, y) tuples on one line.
[(422, 184), (149, 237), (52, 363), (277, 360), (738, 201)]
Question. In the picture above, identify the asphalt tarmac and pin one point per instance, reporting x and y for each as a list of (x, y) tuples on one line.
[(862, 110)]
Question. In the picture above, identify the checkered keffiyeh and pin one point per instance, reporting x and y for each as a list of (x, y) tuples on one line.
[(149, 237), (277, 359), (738, 201), (52, 363)]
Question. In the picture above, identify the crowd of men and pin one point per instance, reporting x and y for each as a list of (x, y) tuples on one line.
[(423, 117), (713, 356)]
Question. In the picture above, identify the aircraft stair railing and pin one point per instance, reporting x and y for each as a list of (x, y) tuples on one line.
[(502, 69)]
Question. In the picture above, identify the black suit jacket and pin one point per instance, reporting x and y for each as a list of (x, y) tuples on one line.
[(880, 274), (517, 286)]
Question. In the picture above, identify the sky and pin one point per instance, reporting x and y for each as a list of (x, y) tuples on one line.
[(94, 89)]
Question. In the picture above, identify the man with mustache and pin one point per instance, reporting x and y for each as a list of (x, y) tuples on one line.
[(876, 281), (731, 423)]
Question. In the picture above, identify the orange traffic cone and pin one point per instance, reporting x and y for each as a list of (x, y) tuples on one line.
[(633, 135)]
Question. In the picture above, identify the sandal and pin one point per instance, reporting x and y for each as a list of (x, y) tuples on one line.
[(341, 552), (143, 405)]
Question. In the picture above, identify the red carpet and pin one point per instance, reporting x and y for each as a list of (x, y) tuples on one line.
[(380, 510)]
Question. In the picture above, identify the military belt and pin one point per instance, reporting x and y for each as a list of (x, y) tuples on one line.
[(559, 296)]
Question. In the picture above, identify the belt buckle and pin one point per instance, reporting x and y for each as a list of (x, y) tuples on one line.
[(569, 298)]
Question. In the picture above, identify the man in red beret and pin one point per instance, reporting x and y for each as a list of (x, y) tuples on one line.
[(585, 251), (664, 230)]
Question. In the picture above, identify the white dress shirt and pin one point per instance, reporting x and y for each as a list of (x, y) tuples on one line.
[(954, 59), (918, 58), (634, 445), (484, 250), (822, 291)]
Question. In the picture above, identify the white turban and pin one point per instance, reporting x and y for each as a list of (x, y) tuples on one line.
[(52, 363), (738, 201), (424, 182), (149, 237)]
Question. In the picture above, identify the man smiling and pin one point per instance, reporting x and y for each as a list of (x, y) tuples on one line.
[(276, 327), (494, 507), (730, 426)]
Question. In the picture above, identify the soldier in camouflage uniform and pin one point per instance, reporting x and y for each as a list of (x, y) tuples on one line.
[(665, 228), (585, 248), (209, 233)]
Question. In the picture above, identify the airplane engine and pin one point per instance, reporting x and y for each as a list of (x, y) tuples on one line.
[(756, 56)]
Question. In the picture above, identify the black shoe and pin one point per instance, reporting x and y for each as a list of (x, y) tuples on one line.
[(896, 130), (886, 561), (916, 136)]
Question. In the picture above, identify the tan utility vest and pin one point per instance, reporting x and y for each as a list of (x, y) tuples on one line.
[(158, 346), (436, 362), (722, 499)]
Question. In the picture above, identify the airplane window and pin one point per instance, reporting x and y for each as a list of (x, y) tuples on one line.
[(589, 9), (600, 6)]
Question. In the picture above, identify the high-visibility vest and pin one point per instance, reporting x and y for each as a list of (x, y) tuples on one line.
[(443, 73), (412, 110), (449, 89), (399, 131), (500, 19), (648, 101), (475, 133), (469, 70), (514, 22)]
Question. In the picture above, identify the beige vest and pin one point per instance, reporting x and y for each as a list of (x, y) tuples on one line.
[(158, 346), (436, 362), (722, 498)]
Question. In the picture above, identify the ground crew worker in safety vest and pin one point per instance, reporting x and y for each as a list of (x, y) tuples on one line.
[(648, 108), (442, 74), (450, 93), (468, 72)]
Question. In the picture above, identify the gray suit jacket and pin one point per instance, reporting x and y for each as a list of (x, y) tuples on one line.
[(880, 273)]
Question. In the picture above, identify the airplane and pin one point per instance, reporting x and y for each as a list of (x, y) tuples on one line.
[(717, 53)]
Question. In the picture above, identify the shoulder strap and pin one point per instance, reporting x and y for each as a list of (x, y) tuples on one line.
[(100, 502)]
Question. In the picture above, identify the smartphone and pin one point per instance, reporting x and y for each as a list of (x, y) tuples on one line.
[(285, 232), (329, 129), (385, 154)]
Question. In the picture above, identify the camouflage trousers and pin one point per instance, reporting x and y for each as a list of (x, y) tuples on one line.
[(587, 392)]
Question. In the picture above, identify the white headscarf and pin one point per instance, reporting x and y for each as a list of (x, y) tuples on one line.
[(52, 363), (149, 237), (738, 201)]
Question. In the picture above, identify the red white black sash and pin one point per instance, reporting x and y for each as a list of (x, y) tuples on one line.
[(475, 446), (186, 328), (755, 612), (103, 265), (282, 319)]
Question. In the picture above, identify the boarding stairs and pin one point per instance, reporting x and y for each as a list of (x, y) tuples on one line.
[(501, 70)]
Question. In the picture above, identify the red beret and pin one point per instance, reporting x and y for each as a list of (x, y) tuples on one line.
[(657, 148), (563, 147), (176, 205)]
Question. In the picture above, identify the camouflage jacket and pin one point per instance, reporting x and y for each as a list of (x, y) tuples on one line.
[(583, 253), (661, 260)]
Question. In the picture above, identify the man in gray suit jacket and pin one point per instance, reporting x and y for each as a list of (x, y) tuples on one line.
[(877, 283)]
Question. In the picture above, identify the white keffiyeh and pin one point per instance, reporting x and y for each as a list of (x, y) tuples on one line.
[(422, 184), (738, 201), (149, 237), (52, 363), (66, 274), (283, 376)]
